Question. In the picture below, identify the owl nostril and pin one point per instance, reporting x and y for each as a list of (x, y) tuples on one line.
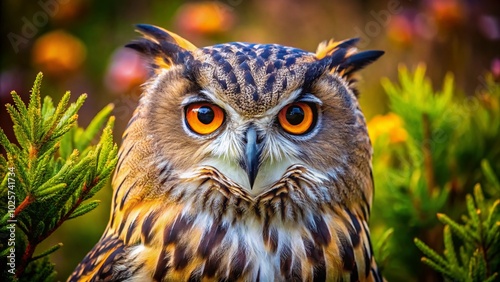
[(260, 138)]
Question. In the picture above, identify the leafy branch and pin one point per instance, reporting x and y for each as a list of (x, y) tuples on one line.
[(50, 175), (478, 257)]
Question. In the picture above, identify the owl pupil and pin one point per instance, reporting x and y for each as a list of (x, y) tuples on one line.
[(295, 115), (205, 115)]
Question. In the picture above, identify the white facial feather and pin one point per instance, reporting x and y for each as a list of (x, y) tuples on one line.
[(227, 149)]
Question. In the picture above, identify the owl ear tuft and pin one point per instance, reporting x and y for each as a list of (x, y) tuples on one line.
[(161, 47), (327, 48), (357, 61), (343, 56), (344, 59)]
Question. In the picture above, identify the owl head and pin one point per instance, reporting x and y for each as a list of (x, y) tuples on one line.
[(254, 117)]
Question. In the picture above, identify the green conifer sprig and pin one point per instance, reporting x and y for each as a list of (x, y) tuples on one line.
[(50, 174), (478, 257), (434, 165)]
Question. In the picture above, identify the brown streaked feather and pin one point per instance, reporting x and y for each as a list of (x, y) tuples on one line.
[(337, 244), (101, 264)]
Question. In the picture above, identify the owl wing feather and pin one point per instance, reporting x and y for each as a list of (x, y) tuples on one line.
[(102, 262)]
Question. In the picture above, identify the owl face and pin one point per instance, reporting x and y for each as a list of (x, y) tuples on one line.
[(251, 112)]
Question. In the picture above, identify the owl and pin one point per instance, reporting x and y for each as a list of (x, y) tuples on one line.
[(242, 162)]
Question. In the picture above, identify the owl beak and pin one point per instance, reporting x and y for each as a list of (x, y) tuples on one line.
[(252, 155)]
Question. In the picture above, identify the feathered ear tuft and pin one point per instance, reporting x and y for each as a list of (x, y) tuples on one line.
[(161, 47), (327, 48), (357, 61), (344, 59)]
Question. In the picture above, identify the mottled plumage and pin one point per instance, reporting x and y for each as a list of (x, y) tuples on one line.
[(271, 181)]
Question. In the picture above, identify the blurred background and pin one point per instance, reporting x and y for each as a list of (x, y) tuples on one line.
[(77, 44)]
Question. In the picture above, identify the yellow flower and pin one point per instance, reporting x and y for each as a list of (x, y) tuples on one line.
[(389, 124), (58, 53)]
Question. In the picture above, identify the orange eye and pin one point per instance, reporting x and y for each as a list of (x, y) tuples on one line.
[(296, 118), (204, 118)]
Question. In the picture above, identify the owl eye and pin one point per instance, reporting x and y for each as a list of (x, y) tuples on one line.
[(297, 118), (204, 118)]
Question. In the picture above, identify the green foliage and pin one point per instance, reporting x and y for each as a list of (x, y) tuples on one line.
[(49, 175), (478, 257), (431, 164), (381, 249)]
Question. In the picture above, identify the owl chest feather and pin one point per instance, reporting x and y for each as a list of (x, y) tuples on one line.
[(228, 239), (208, 229)]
